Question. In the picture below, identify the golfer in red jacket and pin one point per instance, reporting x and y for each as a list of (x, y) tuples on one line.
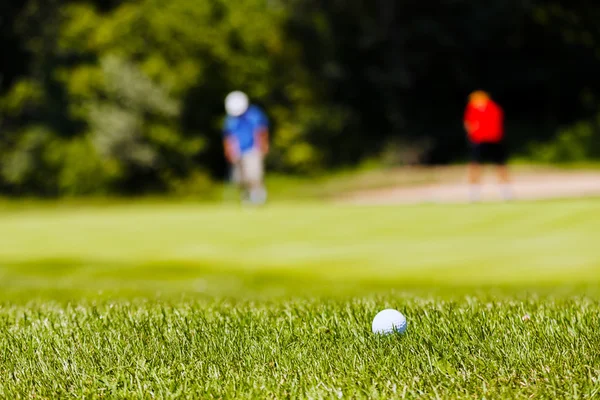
[(484, 123)]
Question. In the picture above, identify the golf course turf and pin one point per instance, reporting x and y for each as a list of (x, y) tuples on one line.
[(181, 300)]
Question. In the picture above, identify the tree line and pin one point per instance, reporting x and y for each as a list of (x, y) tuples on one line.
[(126, 97)]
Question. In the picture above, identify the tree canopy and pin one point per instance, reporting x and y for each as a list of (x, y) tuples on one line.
[(111, 96)]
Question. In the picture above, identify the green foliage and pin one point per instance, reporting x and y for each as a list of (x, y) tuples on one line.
[(138, 86), (84, 171), (29, 163), (578, 143), (24, 94), (54, 166), (144, 84)]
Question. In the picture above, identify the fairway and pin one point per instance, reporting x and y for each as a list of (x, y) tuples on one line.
[(169, 300), (227, 250)]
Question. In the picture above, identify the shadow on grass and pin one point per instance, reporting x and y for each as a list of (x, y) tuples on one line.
[(69, 280)]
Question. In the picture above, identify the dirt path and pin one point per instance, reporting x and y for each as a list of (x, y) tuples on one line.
[(452, 188)]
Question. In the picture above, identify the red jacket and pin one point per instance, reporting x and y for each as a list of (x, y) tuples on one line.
[(484, 124)]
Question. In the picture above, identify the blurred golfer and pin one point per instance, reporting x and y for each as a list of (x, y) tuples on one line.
[(246, 143), (484, 123)]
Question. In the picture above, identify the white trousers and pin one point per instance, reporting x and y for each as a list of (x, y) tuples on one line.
[(249, 170)]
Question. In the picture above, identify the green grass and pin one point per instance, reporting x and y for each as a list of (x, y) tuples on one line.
[(180, 300), (466, 348)]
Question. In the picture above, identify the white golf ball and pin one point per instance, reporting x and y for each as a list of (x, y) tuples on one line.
[(388, 321)]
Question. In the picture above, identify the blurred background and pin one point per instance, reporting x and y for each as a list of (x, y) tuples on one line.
[(107, 97)]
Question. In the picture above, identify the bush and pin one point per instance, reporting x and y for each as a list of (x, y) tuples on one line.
[(83, 171), (28, 165), (580, 142)]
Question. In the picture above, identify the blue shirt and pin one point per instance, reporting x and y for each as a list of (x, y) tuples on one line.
[(244, 127)]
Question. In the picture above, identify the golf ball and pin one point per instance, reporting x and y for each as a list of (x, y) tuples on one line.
[(388, 321)]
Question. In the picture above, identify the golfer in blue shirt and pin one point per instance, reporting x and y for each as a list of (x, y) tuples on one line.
[(246, 143)]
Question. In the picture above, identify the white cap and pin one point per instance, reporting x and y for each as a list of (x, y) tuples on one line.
[(236, 103)]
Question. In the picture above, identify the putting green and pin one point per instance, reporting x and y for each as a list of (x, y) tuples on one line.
[(188, 248)]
